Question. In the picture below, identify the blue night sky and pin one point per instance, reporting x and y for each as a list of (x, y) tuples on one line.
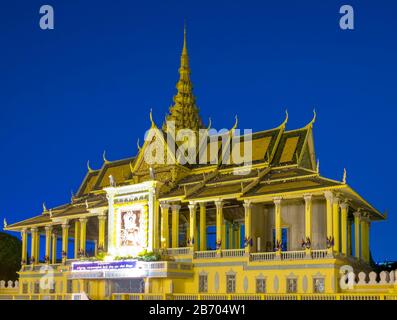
[(70, 93)]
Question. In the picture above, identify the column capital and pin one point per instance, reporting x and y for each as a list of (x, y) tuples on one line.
[(192, 206), (247, 204), (175, 207), (164, 205), (34, 229), (48, 228), (344, 205), (65, 226), (202, 204), (277, 200), (24, 230), (335, 200), (218, 204), (328, 195), (83, 220), (357, 214), (102, 217), (307, 197)]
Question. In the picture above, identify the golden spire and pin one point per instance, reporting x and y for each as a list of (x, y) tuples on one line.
[(184, 111)]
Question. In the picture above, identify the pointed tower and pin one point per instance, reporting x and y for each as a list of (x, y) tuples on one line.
[(184, 111)]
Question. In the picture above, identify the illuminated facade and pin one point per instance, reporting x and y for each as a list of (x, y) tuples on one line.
[(278, 229)]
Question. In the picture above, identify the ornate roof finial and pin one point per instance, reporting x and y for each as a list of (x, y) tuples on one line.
[(209, 124), (138, 146), (235, 123), (151, 118), (314, 118), (184, 112), (104, 157), (44, 207), (285, 120), (344, 176), (318, 166), (131, 168), (5, 223), (88, 167)]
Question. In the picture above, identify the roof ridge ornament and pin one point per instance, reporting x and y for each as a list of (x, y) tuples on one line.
[(314, 118), (344, 176), (318, 166), (44, 207), (138, 146), (5, 223), (88, 167), (153, 125), (284, 123), (104, 157)]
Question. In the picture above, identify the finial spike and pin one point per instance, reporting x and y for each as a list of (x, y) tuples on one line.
[(344, 176), (235, 123), (88, 166), (314, 118), (131, 168), (44, 207), (138, 146), (104, 157), (209, 123), (318, 166), (5, 223)]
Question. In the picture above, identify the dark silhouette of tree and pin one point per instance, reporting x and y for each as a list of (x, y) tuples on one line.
[(10, 256)]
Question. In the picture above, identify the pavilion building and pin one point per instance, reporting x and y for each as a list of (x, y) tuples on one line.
[(278, 228)]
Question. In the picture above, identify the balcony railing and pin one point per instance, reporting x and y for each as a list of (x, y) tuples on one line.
[(232, 253), (289, 255), (263, 256), (178, 251), (297, 296), (205, 254)]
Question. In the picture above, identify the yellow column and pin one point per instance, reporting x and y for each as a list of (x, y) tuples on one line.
[(364, 250), (76, 239), (224, 238), (101, 233), (65, 241), (344, 211), (192, 225), (277, 223), (83, 235), (367, 233), (165, 240), (48, 230), (156, 223), (336, 224), (145, 225), (203, 227), (308, 222), (54, 247), (230, 236), (24, 236), (349, 236), (33, 250), (238, 238), (329, 199), (175, 225), (247, 224), (219, 222), (357, 218), (37, 246)]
